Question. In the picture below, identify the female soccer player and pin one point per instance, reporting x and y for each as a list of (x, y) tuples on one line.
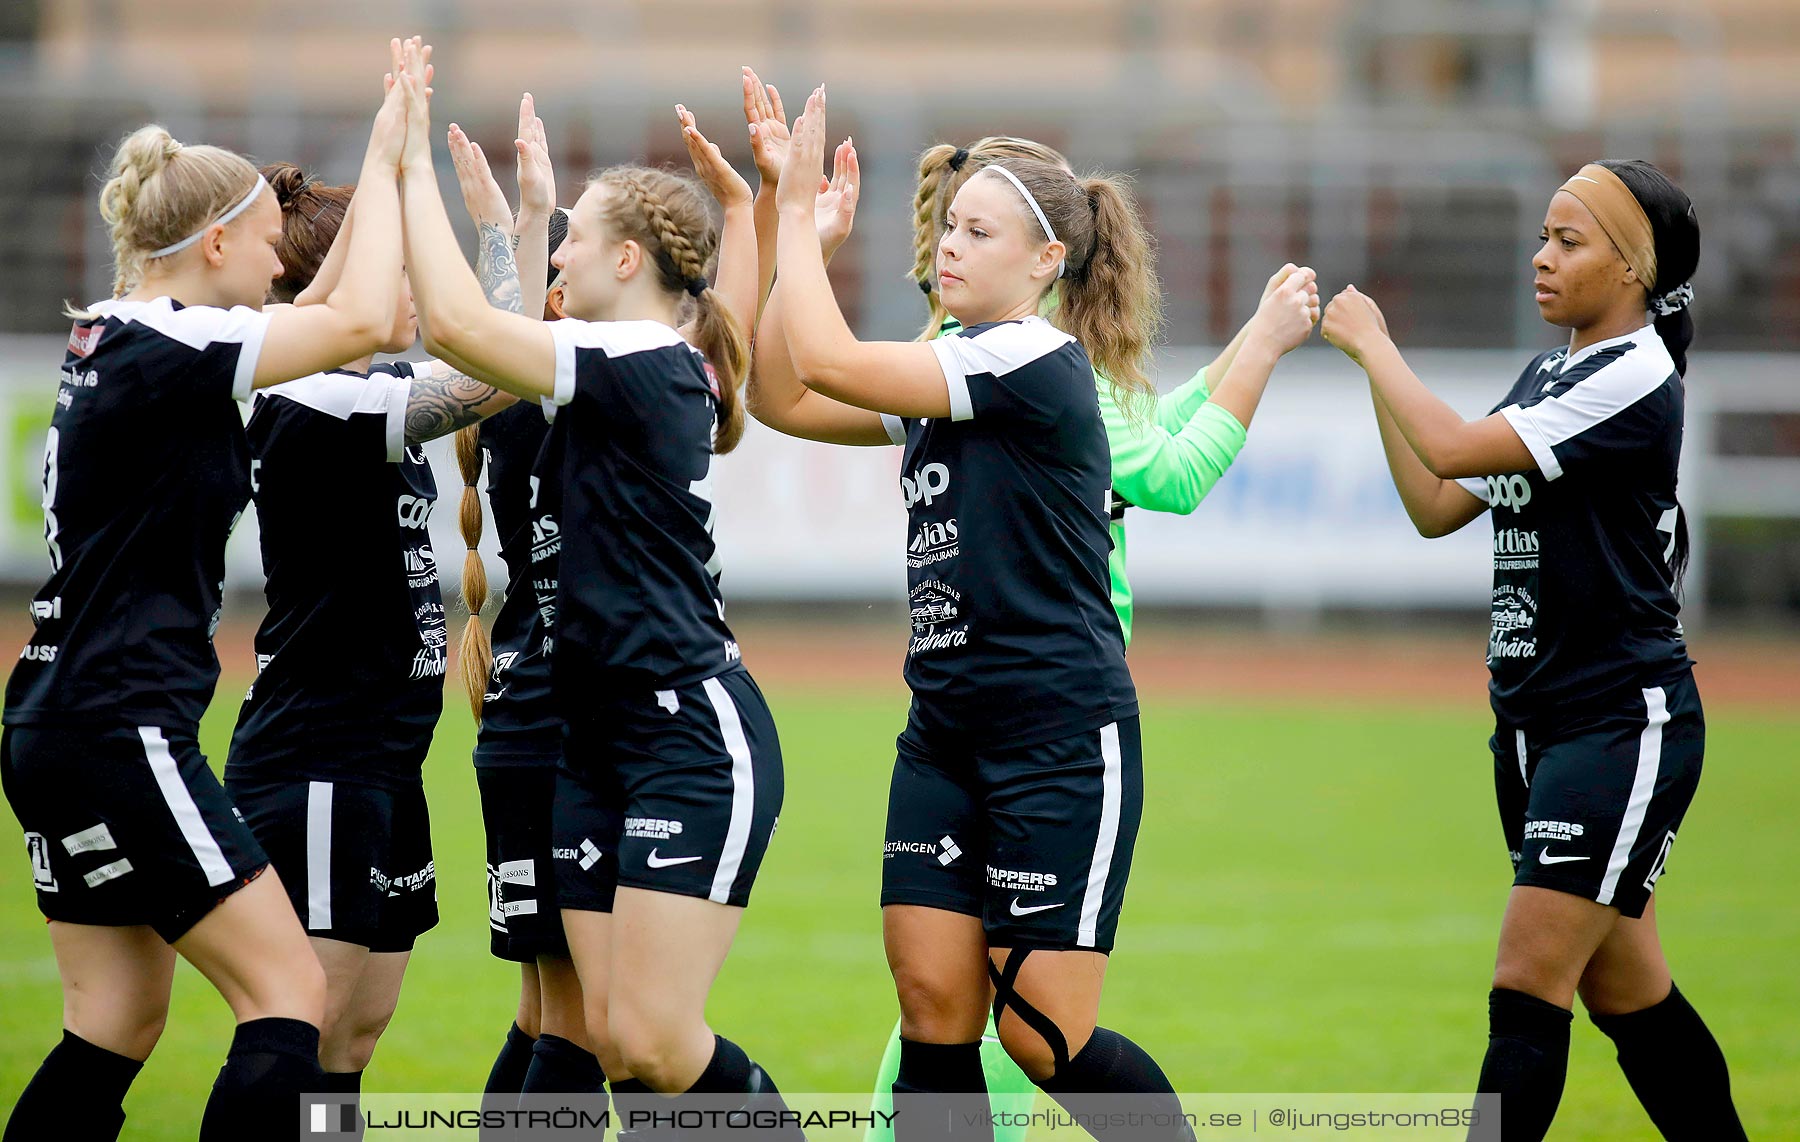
[(508, 682), (1598, 727), (1017, 790), (326, 761), (135, 850), (671, 776)]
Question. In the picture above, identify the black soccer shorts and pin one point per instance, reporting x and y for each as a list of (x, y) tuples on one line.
[(673, 791), (516, 811), (125, 825), (1592, 810), (1035, 840), (355, 859)]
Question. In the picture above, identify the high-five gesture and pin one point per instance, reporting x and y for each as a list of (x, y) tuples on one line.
[(768, 126), (719, 177), (412, 74), (804, 167)]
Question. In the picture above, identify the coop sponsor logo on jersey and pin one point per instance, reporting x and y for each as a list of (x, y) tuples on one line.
[(934, 543), (414, 511), (1509, 491), (925, 485), (652, 828), (1012, 880)]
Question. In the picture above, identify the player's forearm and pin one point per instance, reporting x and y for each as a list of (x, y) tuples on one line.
[(1436, 433), (737, 278), (766, 217), (819, 341), (1240, 388), (531, 259), (331, 270), (495, 269), (449, 297), (1421, 493), (368, 290)]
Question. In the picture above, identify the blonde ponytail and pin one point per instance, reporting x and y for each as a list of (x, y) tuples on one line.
[(160, 192)]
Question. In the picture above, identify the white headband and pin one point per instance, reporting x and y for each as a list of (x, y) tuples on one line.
[(1035, 209), (261, 185)]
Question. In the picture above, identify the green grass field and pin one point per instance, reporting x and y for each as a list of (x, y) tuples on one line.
[(1313, 908)]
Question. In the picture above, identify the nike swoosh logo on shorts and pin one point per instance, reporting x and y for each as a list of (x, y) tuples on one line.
[(655, 861), (1018, 911), (1545, 858)]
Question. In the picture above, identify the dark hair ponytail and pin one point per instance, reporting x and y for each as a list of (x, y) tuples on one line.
[(1675, 229)]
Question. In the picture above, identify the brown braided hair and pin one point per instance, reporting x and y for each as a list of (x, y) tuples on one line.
[(667, 214), (475, 651), (311, 216), (942, 171)]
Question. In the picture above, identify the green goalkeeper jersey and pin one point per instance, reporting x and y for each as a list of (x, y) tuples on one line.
[(1166, 462)]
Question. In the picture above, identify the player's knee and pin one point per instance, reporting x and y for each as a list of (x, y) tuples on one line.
[(648, 1049), (130, 1027), (935, 1008), (1028, 1050)]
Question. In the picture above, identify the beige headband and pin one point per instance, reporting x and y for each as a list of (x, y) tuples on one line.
[(1620, 215)]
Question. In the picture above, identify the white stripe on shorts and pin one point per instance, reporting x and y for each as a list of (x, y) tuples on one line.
[(1643, 785), (1101, 866), (181, 805), (1519, 742), (743, 791), (318, 856)]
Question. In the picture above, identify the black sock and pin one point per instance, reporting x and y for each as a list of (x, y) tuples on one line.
[(559, 1066), (1527, 1062), (345, 1083), (950, 1073), (1109, 1064), (1674, 1065), (510, 1065), (78, 1092), (257, 1093)]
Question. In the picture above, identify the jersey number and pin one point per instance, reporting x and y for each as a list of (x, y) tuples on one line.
[(51, 527)]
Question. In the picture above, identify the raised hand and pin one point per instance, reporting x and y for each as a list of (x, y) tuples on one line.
[(413, 72), (537, 178), (387, 139), (768, 126), (1354, 323), (834, 211), (719, 177), (1289, 311), (804, 168), (485, 201)]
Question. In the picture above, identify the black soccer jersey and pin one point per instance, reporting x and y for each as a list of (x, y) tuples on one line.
[(350, 658), (638, 594), (1584, 601), (1014, 638), (523, 456), (145, 473)]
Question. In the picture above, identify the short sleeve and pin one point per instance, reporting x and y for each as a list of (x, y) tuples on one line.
[(227, 343), (1476, 486), (982, 370), (371, 408), (896, 428), (577, 340), (1612, 409)]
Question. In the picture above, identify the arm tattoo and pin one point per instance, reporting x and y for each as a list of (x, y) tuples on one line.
[(497, 270), (440, 405)]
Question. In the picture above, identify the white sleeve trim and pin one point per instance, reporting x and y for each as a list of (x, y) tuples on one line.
[(614, 338), (956, 379), (1590, 401), (896, 428), (1527, 428), (344, 395), (198, 326), (1476, 486)]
